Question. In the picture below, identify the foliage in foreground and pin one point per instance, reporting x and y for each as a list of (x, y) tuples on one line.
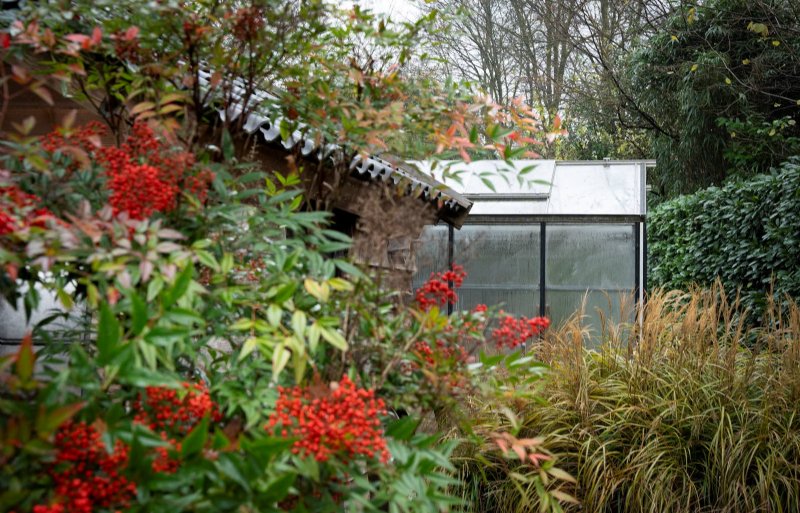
[(746, 234), (213, 355), (679, 415), (211, 363)]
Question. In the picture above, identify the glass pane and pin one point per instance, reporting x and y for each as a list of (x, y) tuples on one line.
[(431, 253), (502, 265), (562, 304), (598, 259), (591, 256)]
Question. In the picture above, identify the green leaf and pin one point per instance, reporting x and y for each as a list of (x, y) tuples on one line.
[(155, 287), (108, 335), (278, 488), (25, 360), (207, 259), (280, 357), (299, 321), (274, 314), (349, 268), (560, 474), (196, 439), (320, 291), (139, 315), (341, 284), (243, 325), (313, 335), (334, 338), (248, 347), (48, 421), (403, 428), (488, 183), (285, 292), (182, 283), (228, 150)]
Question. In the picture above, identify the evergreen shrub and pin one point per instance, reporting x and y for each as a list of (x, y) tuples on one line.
[(745, 233)]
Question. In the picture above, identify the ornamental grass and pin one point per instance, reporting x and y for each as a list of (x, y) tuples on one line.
[(688, 410)]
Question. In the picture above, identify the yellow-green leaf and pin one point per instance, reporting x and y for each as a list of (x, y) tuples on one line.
[(142, 107), (344, 285), (274, 314), (560, 474), (334, 338), (564, 497), (299, 364), (313, 335), (248, 347), (280, 357), (299, 321), (321, 291), (243, 325)]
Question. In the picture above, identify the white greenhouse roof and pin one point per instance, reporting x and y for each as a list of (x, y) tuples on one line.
[(549, 187)]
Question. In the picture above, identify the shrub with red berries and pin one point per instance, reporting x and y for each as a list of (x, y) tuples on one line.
[(513, 332), (146, 176), (440, 289), (87, 476), (19, 210), (340, 421), (171, 414)]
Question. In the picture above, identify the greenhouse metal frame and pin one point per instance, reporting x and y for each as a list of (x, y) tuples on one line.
[(570, 229)]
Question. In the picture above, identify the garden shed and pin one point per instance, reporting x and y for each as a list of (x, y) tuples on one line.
[(563, 233)]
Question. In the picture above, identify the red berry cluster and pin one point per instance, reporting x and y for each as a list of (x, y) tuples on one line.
[(145, 176), (514, 332), (172, 413), (437, 291), (86, 476), (443, 352), (340, 421), (424, 352), (18, 210), (87, 139)]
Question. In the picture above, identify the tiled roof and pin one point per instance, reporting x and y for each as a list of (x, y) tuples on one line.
[(452, 206)]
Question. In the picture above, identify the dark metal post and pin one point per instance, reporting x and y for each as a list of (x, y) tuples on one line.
[(637, 263), (450, 236), (644, 260), (542, 265)]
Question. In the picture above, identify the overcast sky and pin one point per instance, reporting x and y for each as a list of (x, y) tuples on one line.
[(400, 10)]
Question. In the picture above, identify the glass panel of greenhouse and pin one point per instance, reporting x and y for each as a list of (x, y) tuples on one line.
[(568, 237)]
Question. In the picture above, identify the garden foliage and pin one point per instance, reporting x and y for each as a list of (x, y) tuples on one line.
[(718, 86), (213, 354), (677, 414), (745, 233)]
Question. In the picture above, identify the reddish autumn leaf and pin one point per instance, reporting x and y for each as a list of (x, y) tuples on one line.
[(132, 33), (77, 38), (5, 40), (12, 271), (97, 36)]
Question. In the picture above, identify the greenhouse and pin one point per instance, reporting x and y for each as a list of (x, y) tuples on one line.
[(555, 236)]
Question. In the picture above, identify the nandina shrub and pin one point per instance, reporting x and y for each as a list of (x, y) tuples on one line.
[(86, 476), (339, 421), (145, 175), (192, 284)]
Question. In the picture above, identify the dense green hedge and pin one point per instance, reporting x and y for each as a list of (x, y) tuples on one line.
[(746, 233)]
